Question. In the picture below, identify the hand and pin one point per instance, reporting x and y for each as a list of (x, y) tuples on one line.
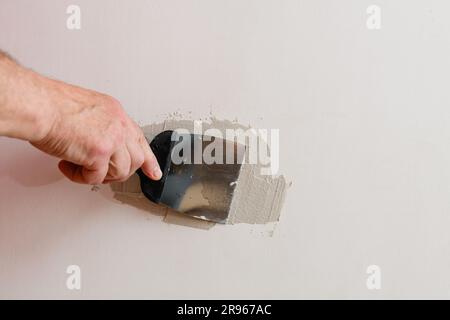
[(95, 138), (89, 131)]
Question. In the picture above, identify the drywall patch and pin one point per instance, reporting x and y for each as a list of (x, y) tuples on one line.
[(257, 199)]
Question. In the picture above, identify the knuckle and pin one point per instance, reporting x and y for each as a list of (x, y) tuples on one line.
[(101, 148), (122, 172), (121, 176), (119, 171), (112, 102), (116, 109)]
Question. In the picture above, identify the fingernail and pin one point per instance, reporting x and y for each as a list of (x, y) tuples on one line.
[(157, 172)]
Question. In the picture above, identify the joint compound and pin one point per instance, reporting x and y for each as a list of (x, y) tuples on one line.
[(257, 199)]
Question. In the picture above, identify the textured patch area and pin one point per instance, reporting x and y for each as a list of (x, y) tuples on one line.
[(257, 199)]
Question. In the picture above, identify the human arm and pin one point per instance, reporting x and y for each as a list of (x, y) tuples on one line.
[(89, 131)]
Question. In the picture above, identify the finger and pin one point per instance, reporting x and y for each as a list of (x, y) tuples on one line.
[(119, 165), (150, 166), (137, 159), (84, 175), (136, 155)]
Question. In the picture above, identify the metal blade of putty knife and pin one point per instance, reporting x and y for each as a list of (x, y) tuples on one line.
[(195, 188)]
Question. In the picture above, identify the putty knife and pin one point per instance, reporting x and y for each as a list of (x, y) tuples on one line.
[(202, 190)]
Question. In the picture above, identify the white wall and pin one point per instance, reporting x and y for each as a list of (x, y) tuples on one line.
[(363, 117)]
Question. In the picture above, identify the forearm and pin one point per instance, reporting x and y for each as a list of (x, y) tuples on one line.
[(88, 130), (24, 102)]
